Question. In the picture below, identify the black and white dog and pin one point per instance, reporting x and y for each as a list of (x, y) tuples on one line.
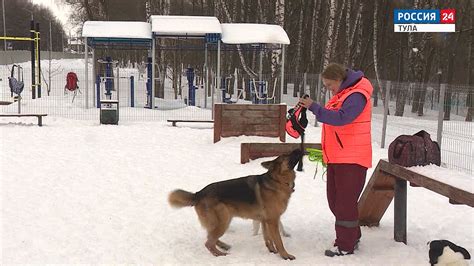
[(444, 252)]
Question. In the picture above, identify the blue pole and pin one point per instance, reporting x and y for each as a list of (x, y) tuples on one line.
[(97, 84), (191, 88), (108, 75), (132, 91), (148, 82)]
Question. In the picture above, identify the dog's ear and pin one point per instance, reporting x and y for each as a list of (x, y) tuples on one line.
[(267, 164)]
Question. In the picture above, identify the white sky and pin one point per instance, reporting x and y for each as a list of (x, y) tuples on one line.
[(60, 10)]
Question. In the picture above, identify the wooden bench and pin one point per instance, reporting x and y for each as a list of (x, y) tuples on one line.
[(389, 181), (174, 121), (39, 116), (252, 151)]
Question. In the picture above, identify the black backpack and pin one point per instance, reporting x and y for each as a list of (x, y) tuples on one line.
[(412, 150)]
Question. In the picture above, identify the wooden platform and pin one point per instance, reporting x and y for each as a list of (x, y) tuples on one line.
[(389, 181), (252, 151), (267, 120), (39, 116)]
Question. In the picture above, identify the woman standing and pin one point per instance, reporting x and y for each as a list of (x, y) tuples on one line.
[(347, 149)]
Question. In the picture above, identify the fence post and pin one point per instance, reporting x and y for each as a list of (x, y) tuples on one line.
[(385, 113), (317, 97), (442, 90), (132, 91), (302, 92)]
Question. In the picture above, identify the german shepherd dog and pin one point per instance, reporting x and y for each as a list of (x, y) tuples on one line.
[(259, 197)]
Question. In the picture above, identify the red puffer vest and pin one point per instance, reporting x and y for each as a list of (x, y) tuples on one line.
[(351, 143)]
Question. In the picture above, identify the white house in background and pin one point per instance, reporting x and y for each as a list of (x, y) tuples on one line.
[(75, 45)]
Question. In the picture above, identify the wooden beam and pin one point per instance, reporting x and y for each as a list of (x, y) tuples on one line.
[(376, 198), (252, 151), (453, 193)]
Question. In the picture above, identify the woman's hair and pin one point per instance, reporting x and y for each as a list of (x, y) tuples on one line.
[(334, 71)]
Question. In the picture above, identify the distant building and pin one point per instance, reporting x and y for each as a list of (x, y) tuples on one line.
[(75, 45)]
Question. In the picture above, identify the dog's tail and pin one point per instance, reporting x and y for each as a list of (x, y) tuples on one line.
[(180, 198)]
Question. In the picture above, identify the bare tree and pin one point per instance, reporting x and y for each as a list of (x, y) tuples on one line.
[(329, 40), (470, 95), (276, 62), (375, 48), (349, 40), (239, 50), (357, 29), (312, 43)]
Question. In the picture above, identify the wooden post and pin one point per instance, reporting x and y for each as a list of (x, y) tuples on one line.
[(244, 153), (217, 122), (400, 211), (282, 123)]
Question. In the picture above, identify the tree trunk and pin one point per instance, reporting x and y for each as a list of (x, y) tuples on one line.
[(375, 47), (470, 95), (358, 28), (400, 91), (239, 50), (329, 40), (452, 52), (422, 95), (338, 23), (299, 44), (312, 43), (348, 33), (276, 62)]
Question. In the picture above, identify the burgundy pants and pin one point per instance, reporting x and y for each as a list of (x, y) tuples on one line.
[(344, 185)]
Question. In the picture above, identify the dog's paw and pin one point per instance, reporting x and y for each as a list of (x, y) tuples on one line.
[(271, 247), (288, 257)]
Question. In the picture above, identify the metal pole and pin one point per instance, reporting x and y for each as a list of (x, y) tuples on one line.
[(152, 72), (442, 90), (38, 52), (305, 75), (385, 114), (400, 211), (260, 64), (118, 86), (86, 71), (4, 26), (316, 97), (205, 76), (33, 76), (218, 74), (49, 55), (282, 83), (94, 75)]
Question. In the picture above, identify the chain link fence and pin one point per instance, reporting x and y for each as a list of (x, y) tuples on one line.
[(410, 107)]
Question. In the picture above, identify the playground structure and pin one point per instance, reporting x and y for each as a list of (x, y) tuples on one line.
[(213, 34), (14, 82), (105, 35)]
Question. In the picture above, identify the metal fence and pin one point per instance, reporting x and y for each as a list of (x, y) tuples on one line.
[(421, 105)]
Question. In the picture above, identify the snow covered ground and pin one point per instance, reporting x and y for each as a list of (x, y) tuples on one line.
[(77, 192)]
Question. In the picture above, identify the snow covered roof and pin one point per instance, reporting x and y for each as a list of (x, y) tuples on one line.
[(117, 29), (184, 25), (247, 33)]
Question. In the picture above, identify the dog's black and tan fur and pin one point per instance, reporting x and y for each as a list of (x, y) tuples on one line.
[(259, 197)]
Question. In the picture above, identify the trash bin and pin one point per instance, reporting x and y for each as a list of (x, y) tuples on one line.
[(109, 112)]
